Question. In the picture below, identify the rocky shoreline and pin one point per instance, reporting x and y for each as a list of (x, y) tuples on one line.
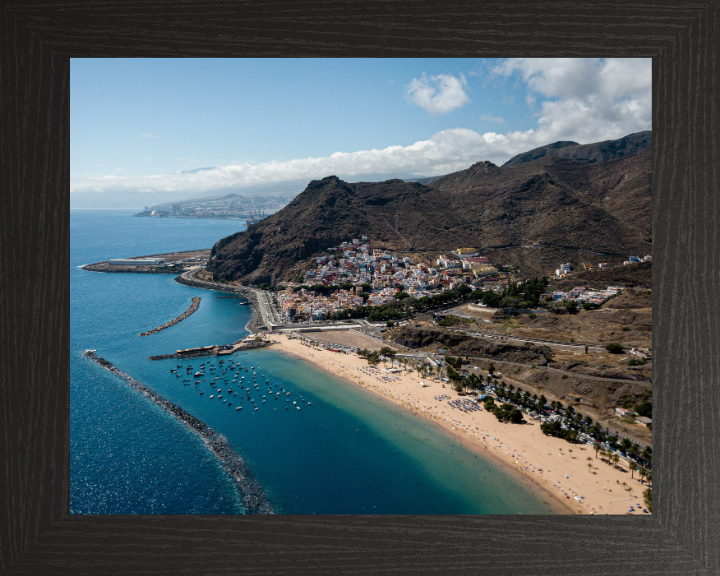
[(252, 493), (193, 307), (255, 325)]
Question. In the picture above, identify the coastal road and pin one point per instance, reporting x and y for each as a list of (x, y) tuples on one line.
[(576, 374), (567, 346)]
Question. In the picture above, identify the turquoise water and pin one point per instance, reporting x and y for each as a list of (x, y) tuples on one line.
[(350, 453)]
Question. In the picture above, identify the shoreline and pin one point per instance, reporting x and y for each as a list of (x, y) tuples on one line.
[(547, 465), (255, 323), (562, 495), (556, 505)]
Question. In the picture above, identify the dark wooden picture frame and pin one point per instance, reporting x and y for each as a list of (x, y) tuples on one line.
[(37, 533)]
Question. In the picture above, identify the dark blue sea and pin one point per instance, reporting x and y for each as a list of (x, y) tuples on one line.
[(351, 453)]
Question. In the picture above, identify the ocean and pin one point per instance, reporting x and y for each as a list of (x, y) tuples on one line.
[(351, 452)]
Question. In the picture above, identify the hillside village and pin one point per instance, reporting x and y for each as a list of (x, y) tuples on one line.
[(354, 274)]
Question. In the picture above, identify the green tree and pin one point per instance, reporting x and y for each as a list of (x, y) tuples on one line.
[(633, 467), (597, 447), (571, 306), (614, 348), (625, 443), (647, 498), (586, 349)]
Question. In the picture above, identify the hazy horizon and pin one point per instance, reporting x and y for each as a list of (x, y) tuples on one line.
[(149, 131)]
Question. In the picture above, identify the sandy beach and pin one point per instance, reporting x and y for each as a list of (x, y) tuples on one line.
[(551, 466)]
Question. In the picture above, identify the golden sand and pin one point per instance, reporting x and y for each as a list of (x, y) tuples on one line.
[(551, 465)]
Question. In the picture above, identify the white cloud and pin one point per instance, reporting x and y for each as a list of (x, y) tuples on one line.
[(146, 135), (492, 118), (586, 100), (438, 94), (508, 100)]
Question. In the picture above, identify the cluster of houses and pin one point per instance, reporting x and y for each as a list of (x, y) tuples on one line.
[(581, 294), (468, 260), (303, 305), (356, 262)]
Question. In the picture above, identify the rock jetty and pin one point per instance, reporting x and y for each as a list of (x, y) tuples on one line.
[(255, 324), (210, 350), (252, 494), (193, 307)]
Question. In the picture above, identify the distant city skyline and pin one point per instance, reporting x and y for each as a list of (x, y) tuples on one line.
[(141, 128)]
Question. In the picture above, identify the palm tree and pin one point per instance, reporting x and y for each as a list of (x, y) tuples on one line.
[(615, 459), (642, 472), (597, 447), (590, 466), (624, 485), (633, 467)]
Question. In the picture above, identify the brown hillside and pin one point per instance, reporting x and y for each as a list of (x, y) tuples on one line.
[(533, 214)]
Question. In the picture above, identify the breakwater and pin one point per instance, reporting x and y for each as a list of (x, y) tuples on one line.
[(252, 494), (193, 307), (255, 324), (210, 350)]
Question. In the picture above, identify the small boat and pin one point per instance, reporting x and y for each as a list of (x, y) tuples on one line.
[(309, 403), (298, 407), (219, 396), (238, 408), (219, 390), (224, 401), (201, 392), (287, 394), (212, 395), (294, 403), (256, 408)]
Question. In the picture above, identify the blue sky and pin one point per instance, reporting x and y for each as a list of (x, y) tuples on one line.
[(136, 123)]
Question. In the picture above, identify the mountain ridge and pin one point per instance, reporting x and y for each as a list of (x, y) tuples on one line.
[(533, 214)]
